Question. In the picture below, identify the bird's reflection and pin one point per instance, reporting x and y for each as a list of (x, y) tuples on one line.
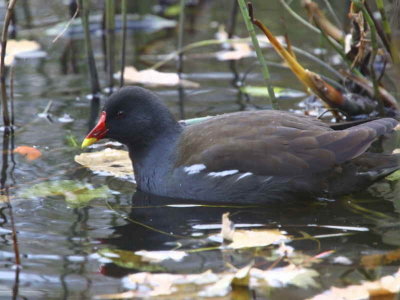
[(159, 223)]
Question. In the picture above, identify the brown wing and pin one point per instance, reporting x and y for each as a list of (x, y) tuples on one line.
[(274, 143)]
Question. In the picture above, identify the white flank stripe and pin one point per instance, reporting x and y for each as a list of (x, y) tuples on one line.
[(194, 169), (244, 175), (223, 173)]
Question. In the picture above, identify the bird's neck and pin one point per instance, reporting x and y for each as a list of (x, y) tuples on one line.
[(152, 160)]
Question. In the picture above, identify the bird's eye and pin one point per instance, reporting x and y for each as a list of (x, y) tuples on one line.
[(120, 114)]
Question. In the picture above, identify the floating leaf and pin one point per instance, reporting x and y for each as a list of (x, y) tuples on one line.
[(262, 91), (151, 77), (239, 51), (377, 260), (209, 284), (16, 48), (159, 256), (107, 162), (30, 153), (130, 260), (289, 275), (249, 238), (394, 176), (386, 286), (76, 193)]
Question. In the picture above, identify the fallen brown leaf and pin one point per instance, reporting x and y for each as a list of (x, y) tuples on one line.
[(376, 260), (109, 161), (15, 47), (249, 238), (386, 287)]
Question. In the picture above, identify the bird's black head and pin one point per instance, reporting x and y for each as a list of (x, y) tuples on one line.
[(133, 116)]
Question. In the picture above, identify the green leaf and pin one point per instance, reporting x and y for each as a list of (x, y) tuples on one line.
[(394, 176), (173, 11), (76, 193)]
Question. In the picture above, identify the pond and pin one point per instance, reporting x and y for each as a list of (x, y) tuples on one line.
[(78, 230)]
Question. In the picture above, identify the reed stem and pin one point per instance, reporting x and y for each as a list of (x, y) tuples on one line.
[(94, 77), (124, 30), (110, 41), (260, 56), (375, 47)]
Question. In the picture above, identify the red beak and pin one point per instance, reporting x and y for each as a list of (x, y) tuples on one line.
[(97, 133)]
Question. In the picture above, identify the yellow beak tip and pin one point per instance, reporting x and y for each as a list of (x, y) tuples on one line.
[(88, 141)]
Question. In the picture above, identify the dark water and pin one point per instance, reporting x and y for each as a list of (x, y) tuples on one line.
[(58, 242)]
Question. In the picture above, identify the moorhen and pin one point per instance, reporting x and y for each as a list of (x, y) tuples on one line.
[(252, 156)]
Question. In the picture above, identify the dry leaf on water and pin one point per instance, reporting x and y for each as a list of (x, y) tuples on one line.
[(209, 284), (107, 162), (377, 260), (249, 238), (15, 48), (30, 153), (289, 275), (151, 77), (236, 50), (386, 286), (239, 51)]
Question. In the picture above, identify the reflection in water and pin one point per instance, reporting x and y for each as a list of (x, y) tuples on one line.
[(5, 196), (158, 223)]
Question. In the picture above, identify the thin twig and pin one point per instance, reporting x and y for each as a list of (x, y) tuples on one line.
[(4, 36), (12, 96), (67, 25)]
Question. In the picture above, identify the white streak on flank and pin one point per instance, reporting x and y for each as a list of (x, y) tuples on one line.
[(194, 169), (223, 173), (244, 175)]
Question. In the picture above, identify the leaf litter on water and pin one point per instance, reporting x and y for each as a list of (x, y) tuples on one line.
[(383, 288), (207, 284)]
